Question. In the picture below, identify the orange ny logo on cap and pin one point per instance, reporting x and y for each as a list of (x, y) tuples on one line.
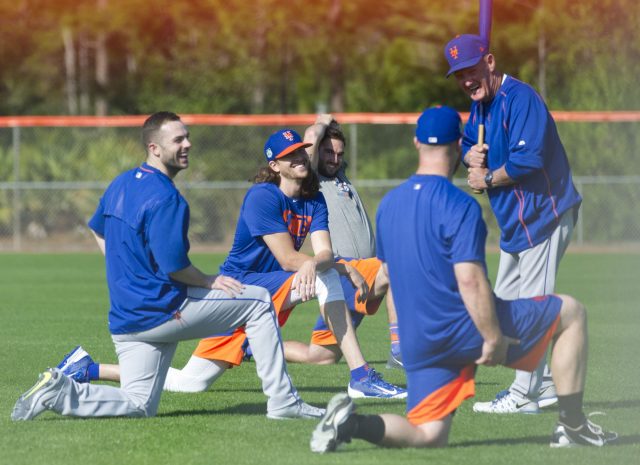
[(453, 51), (287, 135)]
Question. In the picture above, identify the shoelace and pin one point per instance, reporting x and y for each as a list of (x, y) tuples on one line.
[(376, 377), (597, 429), (500, 397)]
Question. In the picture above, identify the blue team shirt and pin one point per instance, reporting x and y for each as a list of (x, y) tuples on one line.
[(424, 227), (522, 135), (144, 221), (266, 210)]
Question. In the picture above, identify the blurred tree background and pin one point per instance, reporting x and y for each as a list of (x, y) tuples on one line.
[(114, 57), (110, 57)]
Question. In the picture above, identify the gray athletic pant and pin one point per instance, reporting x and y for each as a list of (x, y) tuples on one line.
[(145, 357), (532, 273)]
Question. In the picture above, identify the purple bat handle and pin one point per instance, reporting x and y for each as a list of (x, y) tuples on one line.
[(484, 20)]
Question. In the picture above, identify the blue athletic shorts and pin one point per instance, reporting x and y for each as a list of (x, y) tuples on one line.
[(436, 391)]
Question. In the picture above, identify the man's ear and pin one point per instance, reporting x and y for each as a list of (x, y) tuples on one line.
[(152, 149), (491, 62), (273, 164)]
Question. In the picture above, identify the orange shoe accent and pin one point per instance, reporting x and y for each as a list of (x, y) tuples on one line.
[(530, 360), (445, 400)]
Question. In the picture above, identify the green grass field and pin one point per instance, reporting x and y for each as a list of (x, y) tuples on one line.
[(50, 303)]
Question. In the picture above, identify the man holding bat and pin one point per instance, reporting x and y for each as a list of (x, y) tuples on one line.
[(524, 169)]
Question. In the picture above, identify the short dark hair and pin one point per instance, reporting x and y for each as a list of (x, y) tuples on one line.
[(154, 122), (333, 131), (310, 185)]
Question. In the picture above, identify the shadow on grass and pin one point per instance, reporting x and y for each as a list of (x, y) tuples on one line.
[(503, 441), (618, 404), (261, 408), (541, 440), (240, 409)]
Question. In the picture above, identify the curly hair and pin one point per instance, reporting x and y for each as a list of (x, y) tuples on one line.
[(310, 184), (334, 131)]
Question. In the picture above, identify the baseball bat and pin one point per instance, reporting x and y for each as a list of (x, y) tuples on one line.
[(484, 20), (485, 17)]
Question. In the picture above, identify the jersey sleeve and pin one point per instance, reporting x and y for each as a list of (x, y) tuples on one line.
[(527, 122), (96, 223), (379, 233), (263, 212), (468, 234), (167, 230)]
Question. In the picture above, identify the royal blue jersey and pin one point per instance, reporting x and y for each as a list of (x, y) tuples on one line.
[(424, 227), (522, 136), (144, 221), (267, 210)]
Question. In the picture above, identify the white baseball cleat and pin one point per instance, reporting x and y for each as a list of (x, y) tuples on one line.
[(325, 436), (548, 395), (506, 402), (40, 397), (298, 410), (587, 434)]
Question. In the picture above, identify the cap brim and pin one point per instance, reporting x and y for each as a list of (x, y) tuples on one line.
[(292, 148), (464, 64)]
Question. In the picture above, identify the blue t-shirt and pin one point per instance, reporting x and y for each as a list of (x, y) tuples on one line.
[(266, 210), (522, 136), (144, 221), (424, 227)]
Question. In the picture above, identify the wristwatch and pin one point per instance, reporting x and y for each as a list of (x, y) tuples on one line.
[(488, 179)]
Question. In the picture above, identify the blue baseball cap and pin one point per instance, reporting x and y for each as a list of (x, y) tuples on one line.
[(438, 126), (283, 142), (464, 51)]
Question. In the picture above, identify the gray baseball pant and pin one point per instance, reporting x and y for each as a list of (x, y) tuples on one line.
[(145, 357), (532, 273)]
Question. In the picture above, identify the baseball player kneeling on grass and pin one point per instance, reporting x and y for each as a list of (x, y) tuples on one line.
[(159, 298), (431, 238), (279, 211)]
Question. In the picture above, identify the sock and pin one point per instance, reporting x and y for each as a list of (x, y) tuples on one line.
[(360, 373), (368, 427), (395, 339), (570, 408), (93, 371)]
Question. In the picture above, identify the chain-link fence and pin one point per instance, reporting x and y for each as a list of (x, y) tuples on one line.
[(52, 177)]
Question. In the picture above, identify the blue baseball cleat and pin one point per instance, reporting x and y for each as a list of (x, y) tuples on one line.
[(75, 365), (247, 353), (373, 386)]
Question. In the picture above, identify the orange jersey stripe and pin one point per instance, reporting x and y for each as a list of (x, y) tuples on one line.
[(445, 400)]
